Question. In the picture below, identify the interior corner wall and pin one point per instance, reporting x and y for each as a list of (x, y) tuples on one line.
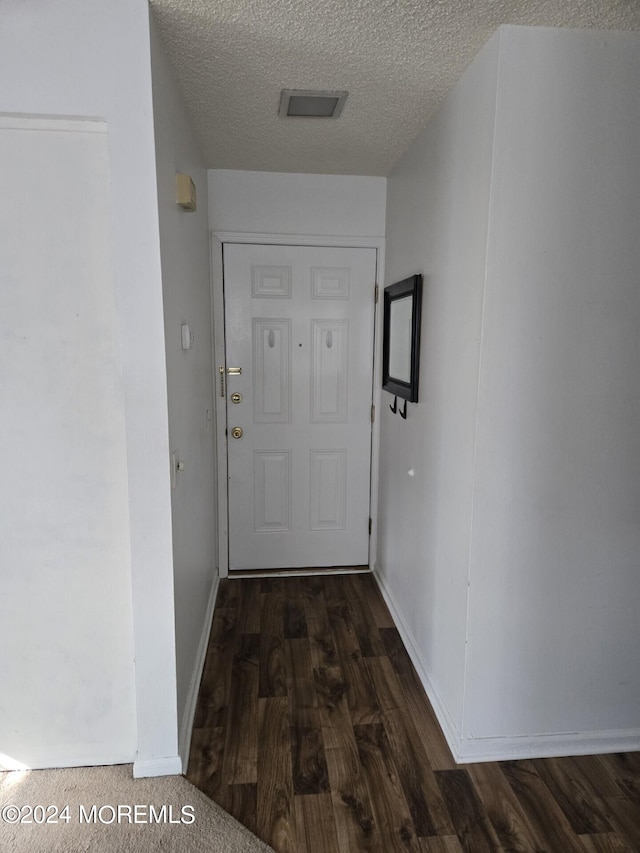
[(184, 247), (91, 59), (555, 579), (511, 556), (437, 220)]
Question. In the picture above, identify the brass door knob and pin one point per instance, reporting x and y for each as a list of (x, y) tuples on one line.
[(236, 432), (236, 398)]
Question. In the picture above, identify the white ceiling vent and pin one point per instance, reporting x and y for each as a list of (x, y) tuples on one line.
[(302, 103)]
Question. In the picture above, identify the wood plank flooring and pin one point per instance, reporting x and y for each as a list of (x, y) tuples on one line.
[(313, 730)]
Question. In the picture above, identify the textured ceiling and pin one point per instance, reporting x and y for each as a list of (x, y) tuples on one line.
[(397, 59)]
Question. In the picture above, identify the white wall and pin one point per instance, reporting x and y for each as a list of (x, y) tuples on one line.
[(79, 58), (555, 578), (184, 246), (537, 342), (66, 623), (278, 203), (437, 217)]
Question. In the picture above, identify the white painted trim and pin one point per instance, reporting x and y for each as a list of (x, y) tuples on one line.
[(330, 240), (169, 766), (299, 573), (186, 729), (219, 403), (473, 750), (72, 124), (218, 239), (83, 755), (446, 721), (377, 395)]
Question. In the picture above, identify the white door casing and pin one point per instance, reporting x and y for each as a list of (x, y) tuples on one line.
[(299, 322)]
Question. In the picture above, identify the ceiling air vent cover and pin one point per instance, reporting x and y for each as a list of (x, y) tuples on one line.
[(301, 103)]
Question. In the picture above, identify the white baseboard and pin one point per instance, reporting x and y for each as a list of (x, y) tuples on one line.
[(467, 750), (472, 750), (186, 729), (169, 766), (447, 724), (52, 759)]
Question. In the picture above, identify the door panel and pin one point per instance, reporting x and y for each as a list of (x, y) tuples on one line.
[(271, 371), (299, 323)]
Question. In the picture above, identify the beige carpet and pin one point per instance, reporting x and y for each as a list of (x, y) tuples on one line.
[(188, 823)]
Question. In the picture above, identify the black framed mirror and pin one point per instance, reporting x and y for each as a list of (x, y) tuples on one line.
[(401, 340)]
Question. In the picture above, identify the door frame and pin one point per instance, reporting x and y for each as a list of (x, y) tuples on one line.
[(217, 242)]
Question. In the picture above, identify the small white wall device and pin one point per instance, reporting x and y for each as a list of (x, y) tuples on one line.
[(187, 336), (185, 192)]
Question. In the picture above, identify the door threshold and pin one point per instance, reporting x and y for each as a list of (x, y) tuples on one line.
[(303, 572)]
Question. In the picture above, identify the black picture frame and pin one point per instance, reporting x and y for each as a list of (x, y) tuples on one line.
[(401, 338)]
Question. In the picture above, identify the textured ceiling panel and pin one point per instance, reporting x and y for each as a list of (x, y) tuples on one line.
[(396, 58)]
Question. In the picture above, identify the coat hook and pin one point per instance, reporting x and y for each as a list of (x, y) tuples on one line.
[(403, 412), (394, 407)]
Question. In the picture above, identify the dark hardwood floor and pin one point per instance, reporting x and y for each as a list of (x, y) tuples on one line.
[(313, 730)]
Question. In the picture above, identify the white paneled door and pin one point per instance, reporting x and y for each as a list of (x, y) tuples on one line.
[(299, 325)]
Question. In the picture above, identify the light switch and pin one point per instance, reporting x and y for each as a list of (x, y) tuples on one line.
[(187, 336)]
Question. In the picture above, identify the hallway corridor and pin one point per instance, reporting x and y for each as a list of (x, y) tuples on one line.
[(313, 730)]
